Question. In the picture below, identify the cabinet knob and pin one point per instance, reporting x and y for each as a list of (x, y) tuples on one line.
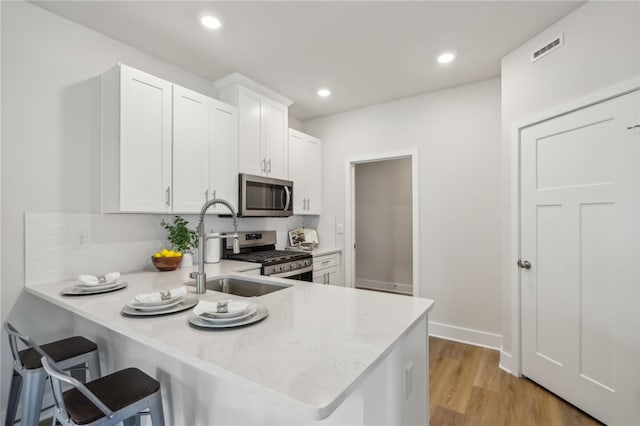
[(524, 264)]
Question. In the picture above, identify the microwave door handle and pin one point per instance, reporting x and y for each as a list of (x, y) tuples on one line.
[(288, 192)]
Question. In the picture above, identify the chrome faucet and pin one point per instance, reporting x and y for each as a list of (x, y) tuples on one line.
[(200, 276)]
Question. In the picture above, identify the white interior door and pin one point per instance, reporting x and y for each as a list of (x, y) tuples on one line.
[(579, 231)]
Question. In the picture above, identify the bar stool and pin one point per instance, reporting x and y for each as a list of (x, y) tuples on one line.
[(114, 398), (29, 376)]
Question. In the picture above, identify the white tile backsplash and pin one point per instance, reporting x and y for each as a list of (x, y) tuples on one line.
[(116, 242)]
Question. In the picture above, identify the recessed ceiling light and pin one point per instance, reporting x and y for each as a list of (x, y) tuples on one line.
[(211, 22), (447, 57), (324, 92)]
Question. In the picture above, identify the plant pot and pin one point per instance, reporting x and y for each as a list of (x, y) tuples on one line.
[(187, 260)]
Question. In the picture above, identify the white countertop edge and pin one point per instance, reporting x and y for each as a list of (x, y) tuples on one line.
[(327, 410), (310, 411), (315, 412), (324, 252)]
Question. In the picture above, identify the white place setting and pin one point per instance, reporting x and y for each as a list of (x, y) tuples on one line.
[(93, 284), (160, 303), (227, 313)]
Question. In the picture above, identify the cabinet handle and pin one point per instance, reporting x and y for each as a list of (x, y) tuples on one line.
[(308, 203), (269, 163), (324, 262), (168, 196), (263, 165), (206, 195)]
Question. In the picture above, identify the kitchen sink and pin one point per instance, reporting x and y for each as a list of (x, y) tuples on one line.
[(243, 287)]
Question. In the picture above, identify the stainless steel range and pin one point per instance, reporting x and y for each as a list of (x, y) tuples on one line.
[(260, 247)]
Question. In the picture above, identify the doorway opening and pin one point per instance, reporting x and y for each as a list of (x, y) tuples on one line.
[(382, 220)]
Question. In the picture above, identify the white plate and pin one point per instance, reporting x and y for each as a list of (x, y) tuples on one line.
[(188, 301), (86, 291), (87, 287), (260, 313), (171, 301), (155, 306), (235, 309), (213, 317)]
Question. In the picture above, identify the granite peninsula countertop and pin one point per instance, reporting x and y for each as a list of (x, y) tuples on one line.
[(318, 343)]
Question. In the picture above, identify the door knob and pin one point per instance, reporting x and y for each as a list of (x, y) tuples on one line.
[(524, 264)]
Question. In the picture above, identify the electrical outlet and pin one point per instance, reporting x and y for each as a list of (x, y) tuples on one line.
[(340, 228), (80, 235)]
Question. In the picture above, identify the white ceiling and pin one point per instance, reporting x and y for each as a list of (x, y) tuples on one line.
[(365, 52)]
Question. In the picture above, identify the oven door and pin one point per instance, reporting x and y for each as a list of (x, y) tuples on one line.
[(304, 274), (262, 196)]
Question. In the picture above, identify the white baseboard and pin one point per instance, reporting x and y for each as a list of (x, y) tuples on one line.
[(384, 285), (506, 362), (465, 335)]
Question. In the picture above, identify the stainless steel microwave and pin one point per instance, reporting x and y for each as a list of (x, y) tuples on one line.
[(264, 196)]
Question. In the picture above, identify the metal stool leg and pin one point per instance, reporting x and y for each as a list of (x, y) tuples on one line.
[(33, 391), (14, 398), (155, 408), (132, 421), (93, 363)]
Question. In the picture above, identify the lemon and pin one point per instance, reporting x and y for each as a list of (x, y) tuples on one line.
[(177, 254), (170, 253), (158, 254)]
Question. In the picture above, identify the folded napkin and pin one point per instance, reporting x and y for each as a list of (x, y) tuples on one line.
[(233, 307), (156, 296), (110, 278)]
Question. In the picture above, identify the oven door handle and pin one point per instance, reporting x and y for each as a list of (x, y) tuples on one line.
[(294, 272), (288, 192)]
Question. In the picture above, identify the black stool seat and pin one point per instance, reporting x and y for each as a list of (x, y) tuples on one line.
[(58, 351), (116, 391)]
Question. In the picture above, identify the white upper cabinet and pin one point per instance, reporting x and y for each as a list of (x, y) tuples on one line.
[(305, 170), (165, 148), (262, 132), (205, 152), (223, 154), (190, 150), (136, 142)]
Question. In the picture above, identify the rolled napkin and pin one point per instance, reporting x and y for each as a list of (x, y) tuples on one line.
[(227, 307), (156, 296), (110, 278)]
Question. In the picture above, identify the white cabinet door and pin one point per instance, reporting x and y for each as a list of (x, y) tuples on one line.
[(305, 170), (297, 171), (580, 235), (313, 166), (276, 150), (251, 132), (190, 150), (262, 132), (139, 178), (223, 154)]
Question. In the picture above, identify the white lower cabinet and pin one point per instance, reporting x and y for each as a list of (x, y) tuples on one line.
[(325, 268)]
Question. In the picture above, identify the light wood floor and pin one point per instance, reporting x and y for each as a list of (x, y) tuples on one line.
[(467, 388)]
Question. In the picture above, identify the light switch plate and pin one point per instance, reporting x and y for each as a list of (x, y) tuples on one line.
[(340, 228)]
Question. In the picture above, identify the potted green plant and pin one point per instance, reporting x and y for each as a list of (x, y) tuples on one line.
[(182, 239)]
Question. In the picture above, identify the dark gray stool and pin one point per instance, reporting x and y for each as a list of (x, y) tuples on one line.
[(117, 397), (29, 376)]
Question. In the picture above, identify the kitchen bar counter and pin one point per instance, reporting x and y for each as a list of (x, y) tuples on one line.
[(319, 346)]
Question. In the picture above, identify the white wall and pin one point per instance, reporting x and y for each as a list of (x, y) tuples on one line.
[(51, 71), (457, 134), (602, 48), (383, 223)]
